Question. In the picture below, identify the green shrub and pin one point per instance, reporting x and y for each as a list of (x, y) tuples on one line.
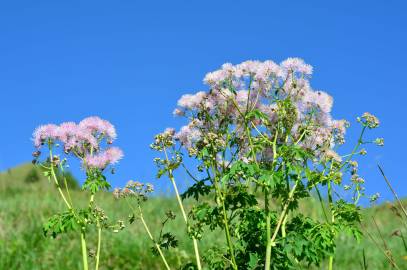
[(71, 181), (32, 176)]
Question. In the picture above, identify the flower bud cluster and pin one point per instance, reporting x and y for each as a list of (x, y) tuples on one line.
[(134, 189), (369, 120), (353, 166), (170, 215), (357, 179), (163, 140), (374, 197)]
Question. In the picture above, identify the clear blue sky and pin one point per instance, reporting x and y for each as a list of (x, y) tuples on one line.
[(129, 61)]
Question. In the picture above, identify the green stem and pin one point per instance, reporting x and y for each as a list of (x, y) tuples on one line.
[(83, 241), (84, 251), (322, 203), (152, 239), (283, 232), (271, 242), (268, 224), (228, 238), (99, 242), (354, 149), (66, 185), (220, 202), (268, 214), (393, 191), (56, 180), (331, 257), (184, 215)]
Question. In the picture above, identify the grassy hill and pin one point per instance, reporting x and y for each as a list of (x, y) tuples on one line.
[(24, 207)]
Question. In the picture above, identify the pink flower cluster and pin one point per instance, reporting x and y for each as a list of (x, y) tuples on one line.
[(82, 140), (234, 89), (101, 160)]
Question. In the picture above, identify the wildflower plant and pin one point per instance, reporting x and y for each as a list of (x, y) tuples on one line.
[(90, 142), (135, 194), (261, 141)]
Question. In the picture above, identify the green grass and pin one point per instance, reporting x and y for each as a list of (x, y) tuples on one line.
[(24, 207)]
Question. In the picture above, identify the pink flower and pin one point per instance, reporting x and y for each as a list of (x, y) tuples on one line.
[(324, 101), (97, 161), (228, 67), (213, 78), (41, 133), (114, 154), (96, 124), (85, 136), (249, 67), (169, 131), (331, 154), (296, 65), (270, 110), (188, 135), (241, 97), (67, 130), (340, 125), (267, 69), (178, 112), (189, 101), (103, 159)]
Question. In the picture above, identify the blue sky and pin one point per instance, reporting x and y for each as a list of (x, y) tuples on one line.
[(129, 62)]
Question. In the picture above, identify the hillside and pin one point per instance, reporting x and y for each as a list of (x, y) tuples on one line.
[(24, 206)]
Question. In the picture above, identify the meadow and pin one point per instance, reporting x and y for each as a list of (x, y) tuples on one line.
[(24, 208)]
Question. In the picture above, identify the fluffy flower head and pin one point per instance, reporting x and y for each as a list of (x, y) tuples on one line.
[(41, 133), (102, 159), (98, 125)]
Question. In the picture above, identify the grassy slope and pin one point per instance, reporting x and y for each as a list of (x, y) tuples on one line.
[(25, 207)]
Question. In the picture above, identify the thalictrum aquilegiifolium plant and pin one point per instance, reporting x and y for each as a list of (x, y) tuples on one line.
[(261, 141), (90, 142)]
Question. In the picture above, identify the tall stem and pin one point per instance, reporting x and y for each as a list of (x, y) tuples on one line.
[(99, 242), (184, 215), (66, 184), (221, 203), (268, 214), (271, 242), (84, 251), (228, 238), (152, 239), (56, 180), (283, 232), (268, 224), (331, 258), (83, 241), (354, 149)]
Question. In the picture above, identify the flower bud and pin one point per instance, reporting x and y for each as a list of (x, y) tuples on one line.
[(379, 141), (36, 154)]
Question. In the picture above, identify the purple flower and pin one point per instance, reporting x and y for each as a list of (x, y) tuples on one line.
[(188, 135), (102, 159), (114, 154), (98, 125), (169, 131), (41, 133), (213, 78), (67, 130), (189, 101), (324, 101), (296, 65)]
